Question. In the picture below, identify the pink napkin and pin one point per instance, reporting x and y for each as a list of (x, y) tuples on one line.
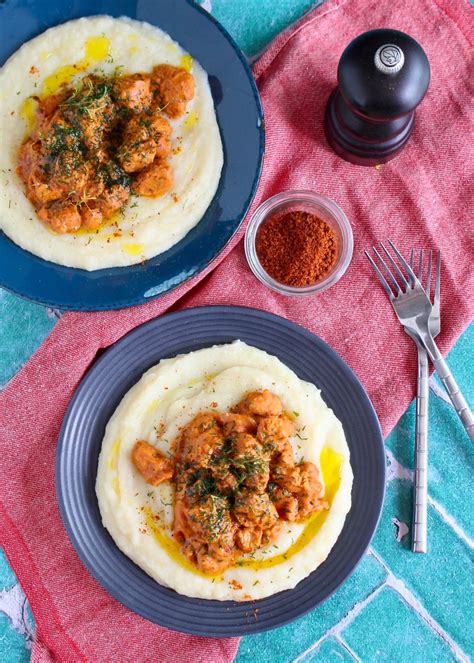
[(422, 198)]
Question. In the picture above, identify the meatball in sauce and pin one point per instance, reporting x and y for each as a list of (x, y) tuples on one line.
[(96, 144), (236, 481)]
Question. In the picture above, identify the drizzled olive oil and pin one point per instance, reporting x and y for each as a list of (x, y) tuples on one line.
[(133, 249), (112, 463), (28, 113), (186, 62), (96, 49), (171, 547)]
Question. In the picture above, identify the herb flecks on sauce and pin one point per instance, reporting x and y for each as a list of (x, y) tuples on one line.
[(95, 144), (236, 481)]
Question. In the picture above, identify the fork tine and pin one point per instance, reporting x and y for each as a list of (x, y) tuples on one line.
[(411, 274), (412, 257), (380, 276), (438, 279), (420, 263), (396, 267), (387, 270), (428, 275)]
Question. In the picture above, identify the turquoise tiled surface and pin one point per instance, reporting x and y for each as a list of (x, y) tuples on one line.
[(396, 606), (12, 643), (23, 326), (281, 644), (7, 577), (253, 23), (405, 635), (329, 650), (439, 579)]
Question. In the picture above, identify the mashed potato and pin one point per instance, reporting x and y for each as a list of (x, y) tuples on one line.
[(139, 516), (147, 226)]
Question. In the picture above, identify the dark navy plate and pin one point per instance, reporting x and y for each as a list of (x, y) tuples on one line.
[(118, 370), (240, 119)]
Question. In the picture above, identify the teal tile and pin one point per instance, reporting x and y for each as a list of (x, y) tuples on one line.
[(401, 439), (389, 630), (23, 327), (12, 645), (9, 637), (285, 643), (240, 18), (451, 453), (7, 577), (442, 579), (329, 651)]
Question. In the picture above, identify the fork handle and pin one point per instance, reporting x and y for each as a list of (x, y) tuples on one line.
[(419, 542), (450, 384), (454, 393)]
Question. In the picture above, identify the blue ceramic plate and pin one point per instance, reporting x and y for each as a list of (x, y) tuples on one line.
[(118, 370), (240, 119)]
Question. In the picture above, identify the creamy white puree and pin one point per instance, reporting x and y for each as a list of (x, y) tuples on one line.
[(164, 400)]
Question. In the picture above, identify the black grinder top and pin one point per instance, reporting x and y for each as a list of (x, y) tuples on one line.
[(382, 77)]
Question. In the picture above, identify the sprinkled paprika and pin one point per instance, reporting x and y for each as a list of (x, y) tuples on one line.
[(297, 248)]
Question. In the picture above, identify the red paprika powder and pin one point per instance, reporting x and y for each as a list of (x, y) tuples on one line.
[(297, 248)]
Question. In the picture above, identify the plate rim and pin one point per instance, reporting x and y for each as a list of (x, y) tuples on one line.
[(292, 326), (140, 299)]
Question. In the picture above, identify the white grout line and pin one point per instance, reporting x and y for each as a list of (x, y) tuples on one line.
[(411, 600), (53, 313), (396, 470), (344, 644), (335, 630), (449, 520), (399, 586)]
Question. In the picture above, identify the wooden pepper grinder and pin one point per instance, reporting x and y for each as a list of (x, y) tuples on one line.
[(382, 77)]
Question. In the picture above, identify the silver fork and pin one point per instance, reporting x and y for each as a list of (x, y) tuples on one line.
[(413, 309), (419, 543)]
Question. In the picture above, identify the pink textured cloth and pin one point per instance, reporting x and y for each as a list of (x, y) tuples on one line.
[(422, 198)]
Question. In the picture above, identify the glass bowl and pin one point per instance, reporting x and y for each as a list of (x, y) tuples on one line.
[(306, 201)]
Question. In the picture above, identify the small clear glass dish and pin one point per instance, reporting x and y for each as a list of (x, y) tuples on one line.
[(313, 203)]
